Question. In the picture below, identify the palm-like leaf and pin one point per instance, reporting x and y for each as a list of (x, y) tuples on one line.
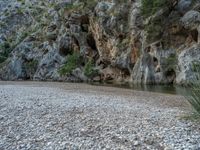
[(193, 92)]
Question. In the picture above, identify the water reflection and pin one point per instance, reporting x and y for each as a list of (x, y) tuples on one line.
[(170, 89)]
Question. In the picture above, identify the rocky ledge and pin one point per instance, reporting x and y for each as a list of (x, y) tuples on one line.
[(57, 116)]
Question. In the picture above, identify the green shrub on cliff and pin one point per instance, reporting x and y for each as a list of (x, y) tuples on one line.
[(89, 70), (5, 50), (31, 66), (149, 7), (88, 5), (72, 63), (195, 66)]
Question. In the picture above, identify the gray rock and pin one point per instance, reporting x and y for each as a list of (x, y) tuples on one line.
[(187, 60), (78, 73), (191, 20), (184, 5)]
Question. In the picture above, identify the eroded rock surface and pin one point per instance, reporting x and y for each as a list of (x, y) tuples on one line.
[(122, 44)]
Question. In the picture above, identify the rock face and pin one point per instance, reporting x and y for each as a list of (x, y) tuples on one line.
[(188, 66), (115, 41), (191, 21)]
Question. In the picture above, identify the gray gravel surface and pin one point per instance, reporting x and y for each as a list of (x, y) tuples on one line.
[(59, 116)]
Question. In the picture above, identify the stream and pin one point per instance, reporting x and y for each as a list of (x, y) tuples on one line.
[(167, 89)]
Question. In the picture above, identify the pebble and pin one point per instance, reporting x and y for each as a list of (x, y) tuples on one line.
[(136, 143), (50, 117)]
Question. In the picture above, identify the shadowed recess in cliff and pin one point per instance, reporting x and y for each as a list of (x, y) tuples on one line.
[(194, 34), (170, 76), (91, 42)]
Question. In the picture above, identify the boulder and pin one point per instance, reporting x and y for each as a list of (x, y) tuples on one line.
[(184, 6), (191, 21), (188, 65)]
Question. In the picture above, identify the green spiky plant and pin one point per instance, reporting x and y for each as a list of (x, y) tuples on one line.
[(194, 97), (193, 90)]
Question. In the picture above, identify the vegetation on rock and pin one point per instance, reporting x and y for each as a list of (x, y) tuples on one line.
[(5, 50), (149, 7), (89, 70), (31, 67), (71, 64)]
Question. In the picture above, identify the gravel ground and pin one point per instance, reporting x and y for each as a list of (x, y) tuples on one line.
[(60, 116)]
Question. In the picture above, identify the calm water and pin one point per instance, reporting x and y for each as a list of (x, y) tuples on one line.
[(170, 89)]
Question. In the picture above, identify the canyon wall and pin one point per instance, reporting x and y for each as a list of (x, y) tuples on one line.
[(113, 41)]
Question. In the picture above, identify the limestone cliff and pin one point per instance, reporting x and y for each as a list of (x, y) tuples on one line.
[(135, 41)]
